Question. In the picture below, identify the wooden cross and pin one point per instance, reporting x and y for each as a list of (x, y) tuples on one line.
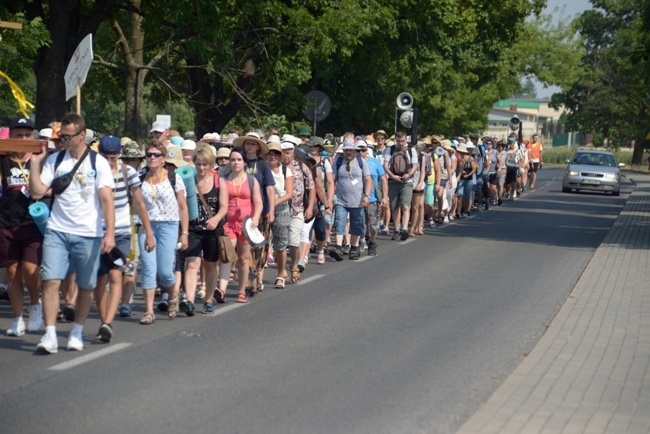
[(11, 25)]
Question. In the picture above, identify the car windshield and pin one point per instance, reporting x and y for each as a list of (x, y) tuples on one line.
[(590, 159)]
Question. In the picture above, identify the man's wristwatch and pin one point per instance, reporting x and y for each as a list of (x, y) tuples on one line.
[(185, 233)]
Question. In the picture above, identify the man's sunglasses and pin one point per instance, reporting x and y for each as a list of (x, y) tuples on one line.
[(153, 154), (67, 137)]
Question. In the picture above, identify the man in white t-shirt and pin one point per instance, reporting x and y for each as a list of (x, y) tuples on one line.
[(73, 238)]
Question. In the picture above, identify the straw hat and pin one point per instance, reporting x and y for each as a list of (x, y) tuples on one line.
[(252, 137), (175, 156)]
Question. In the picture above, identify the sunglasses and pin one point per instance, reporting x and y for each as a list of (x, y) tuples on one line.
[(275, 154), (67, 137), (153, 154)]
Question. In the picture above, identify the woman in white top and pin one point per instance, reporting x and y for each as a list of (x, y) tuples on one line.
[(283, 194), (166, 207)]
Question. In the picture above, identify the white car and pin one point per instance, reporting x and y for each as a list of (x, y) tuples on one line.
[(593, 171)]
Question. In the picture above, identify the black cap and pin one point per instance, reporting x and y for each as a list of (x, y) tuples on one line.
[(302, 151), (21, 122)]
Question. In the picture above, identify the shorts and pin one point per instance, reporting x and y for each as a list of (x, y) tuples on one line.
[(280, 227), (492, 178), (20, 243), (430, 195), (372, 218), (501, 178), (465, 188), (357, 220), (123, 244), (534, 167), (305, 234), (295, 228), (202, 241), (400, 194), (63, 251), (511, 176), (235, 231)]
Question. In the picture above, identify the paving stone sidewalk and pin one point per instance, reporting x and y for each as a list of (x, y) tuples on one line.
[(590, 371)]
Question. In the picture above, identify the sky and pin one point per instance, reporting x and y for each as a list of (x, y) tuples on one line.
[(571, 9)]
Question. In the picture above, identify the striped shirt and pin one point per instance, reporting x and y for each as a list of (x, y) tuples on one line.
[(121, 201)]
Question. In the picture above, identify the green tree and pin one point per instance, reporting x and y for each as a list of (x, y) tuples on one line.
[(609, 94)]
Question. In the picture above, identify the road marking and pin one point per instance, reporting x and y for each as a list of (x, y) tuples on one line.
[(219, 311), (365, 258), (89, 357), (311, 279)]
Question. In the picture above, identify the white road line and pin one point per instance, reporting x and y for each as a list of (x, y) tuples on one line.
[(365, 258), (311, 279), (89, 357), (219, 311)]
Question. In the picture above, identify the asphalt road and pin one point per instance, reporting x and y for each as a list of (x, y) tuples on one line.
[(412, 340)]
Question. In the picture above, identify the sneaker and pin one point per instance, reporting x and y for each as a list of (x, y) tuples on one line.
[(511, 199), (105, 333), (432, 224), (125, 311), (446, 219), (163, 305), (208, 308), (451, 218), (68, 312), (396, 236), (17, 327), (270, 259), (35, 317), (405, 235), (335, 253), (48, 344), (465, 215), (186, 307), (200, 294), (362, 245), (372, 249), (74, 343)]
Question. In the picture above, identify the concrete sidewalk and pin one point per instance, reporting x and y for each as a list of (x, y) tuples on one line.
[(589, 372)]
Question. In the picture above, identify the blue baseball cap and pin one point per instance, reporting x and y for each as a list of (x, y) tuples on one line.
[(110, 145)]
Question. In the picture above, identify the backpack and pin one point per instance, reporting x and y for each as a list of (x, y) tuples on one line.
[(339, 163), (400, 161), (171, 175)]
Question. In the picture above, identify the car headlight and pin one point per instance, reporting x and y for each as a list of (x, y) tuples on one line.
[(574, 173), (611, 176)]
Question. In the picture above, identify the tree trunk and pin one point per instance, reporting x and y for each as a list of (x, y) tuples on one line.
[(134, 125)]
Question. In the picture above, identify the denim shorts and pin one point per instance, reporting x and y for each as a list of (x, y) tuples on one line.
[(357, 220), (160, 261), (465, 188), (63, 251)]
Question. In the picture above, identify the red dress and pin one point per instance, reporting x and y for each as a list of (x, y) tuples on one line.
[(240, 205)]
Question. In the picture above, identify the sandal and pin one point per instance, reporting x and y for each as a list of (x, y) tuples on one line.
[(279, 282), (220, 296), (321, 258), (147, 318), (172, 308), (295, 276), (242, 298)]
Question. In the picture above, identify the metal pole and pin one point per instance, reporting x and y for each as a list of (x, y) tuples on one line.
[(315, 114), (78, 96)]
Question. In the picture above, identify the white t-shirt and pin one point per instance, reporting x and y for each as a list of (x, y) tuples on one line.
[(160, 199), (78, 209), (279, 181)]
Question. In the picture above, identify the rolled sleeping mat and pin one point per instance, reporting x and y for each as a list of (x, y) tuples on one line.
[(187, 175), (40, 213)]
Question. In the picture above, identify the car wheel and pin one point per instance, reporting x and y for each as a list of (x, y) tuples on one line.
[(616, 193)]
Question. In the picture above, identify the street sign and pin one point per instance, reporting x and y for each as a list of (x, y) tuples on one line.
[(318, 107), (75, 74)]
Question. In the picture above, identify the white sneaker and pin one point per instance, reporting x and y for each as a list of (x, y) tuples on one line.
[(17, 327), (74, 343), (35, 317), (48, 344), (446, 219)]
